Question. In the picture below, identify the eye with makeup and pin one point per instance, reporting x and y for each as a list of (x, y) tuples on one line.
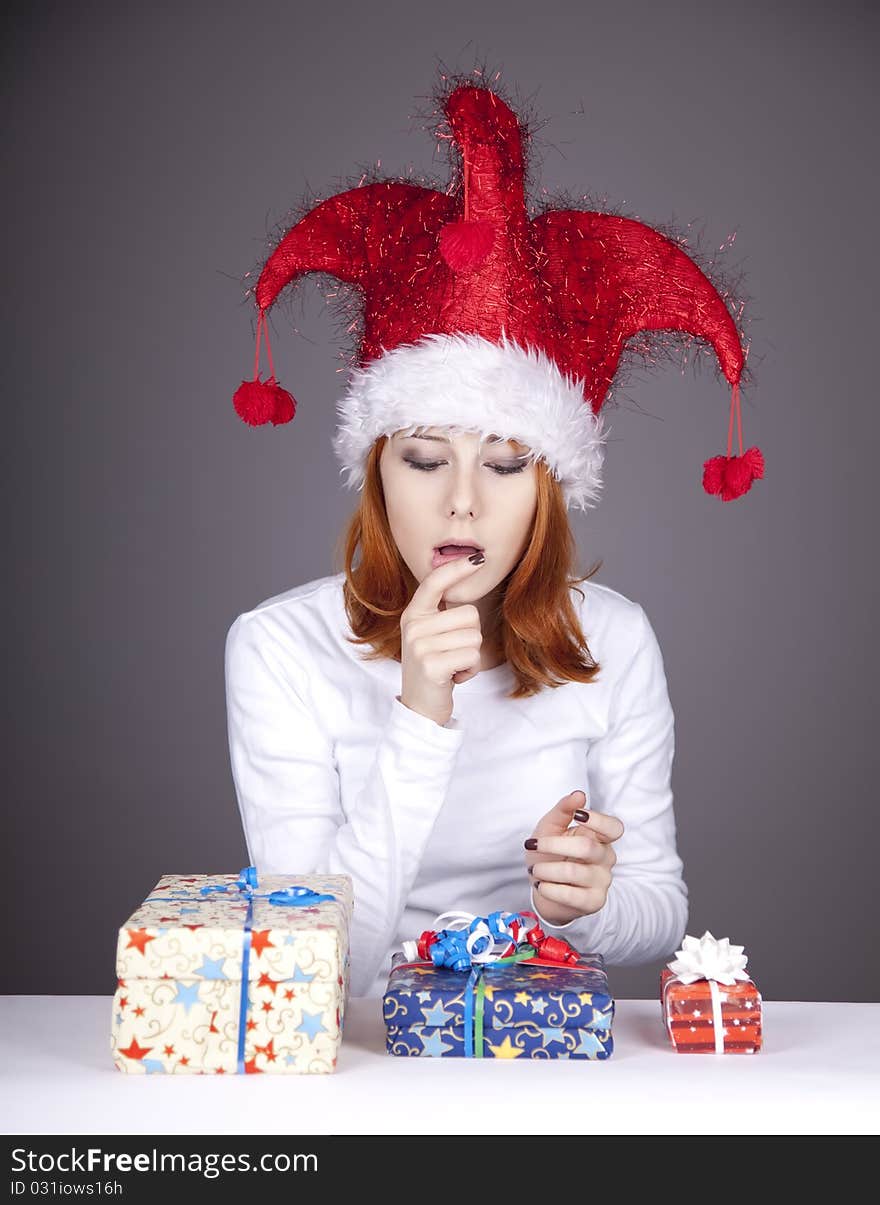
[(515, 465), (427, 466)]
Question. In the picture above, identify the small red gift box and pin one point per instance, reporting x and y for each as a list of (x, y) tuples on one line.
[(709, 1004)]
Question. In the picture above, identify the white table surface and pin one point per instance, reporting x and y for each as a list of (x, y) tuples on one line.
[(818, 1073)]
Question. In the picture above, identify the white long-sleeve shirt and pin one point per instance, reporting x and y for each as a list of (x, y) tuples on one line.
[(335, 775)]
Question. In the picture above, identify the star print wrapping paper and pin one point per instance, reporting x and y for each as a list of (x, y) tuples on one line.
[(179, 1001), (532, 1009), (708, 1002)]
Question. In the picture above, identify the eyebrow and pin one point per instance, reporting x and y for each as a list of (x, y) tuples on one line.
[(442, 440)]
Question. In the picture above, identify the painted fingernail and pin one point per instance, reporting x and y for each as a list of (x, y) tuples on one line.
[(531, 870), (531, 843), (476, 558), (581, 815)]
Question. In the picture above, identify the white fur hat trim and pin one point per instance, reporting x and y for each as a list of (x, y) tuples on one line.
[(463, 382)]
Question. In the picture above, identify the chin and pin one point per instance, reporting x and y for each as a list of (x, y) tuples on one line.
[(469, 591)]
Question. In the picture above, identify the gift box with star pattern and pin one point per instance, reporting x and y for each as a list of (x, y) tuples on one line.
[(183, 1004), (530, 1009), (709, 1002), (706, 1017)]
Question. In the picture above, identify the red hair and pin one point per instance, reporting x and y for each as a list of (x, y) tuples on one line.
[(538, 626)]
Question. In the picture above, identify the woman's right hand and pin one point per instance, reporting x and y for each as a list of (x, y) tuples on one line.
[(438, 648)]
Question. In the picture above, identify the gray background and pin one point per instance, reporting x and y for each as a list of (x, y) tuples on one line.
[(153, 150)]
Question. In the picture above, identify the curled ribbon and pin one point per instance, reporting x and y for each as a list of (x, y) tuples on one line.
[(246, 884)]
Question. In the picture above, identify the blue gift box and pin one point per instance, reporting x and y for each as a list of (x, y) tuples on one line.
[(531, 1009)]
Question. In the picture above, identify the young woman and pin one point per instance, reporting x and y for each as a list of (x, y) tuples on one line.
[(504, 741), (458, 731)]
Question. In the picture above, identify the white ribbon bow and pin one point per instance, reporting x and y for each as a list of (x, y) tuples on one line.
[(708, 958)]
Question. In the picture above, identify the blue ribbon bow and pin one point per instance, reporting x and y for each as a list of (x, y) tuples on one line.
[(450, 950)]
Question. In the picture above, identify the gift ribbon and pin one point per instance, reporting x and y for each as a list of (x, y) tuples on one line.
[(296, 897), (475, 998), (466, 940)]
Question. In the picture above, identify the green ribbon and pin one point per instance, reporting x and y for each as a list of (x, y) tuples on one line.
[(480, 994)]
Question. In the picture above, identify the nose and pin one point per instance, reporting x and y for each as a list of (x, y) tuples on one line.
[(463, 491)]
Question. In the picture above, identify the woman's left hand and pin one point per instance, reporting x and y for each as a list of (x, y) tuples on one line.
[(570, 867)]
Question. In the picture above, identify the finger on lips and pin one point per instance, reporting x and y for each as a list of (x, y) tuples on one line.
[(429, 593)]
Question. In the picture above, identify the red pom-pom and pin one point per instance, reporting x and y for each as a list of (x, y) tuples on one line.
[(465, 245), (755, 458), (255, 402), (713, 474), (285, 406), (732, 476), (258, 402), (737, 478)]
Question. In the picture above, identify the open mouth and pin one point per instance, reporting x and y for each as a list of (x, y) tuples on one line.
[(451, 552)]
